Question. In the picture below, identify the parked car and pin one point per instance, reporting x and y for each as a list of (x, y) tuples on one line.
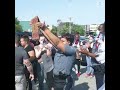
[(20, 34), (23, 33), (82, 38)]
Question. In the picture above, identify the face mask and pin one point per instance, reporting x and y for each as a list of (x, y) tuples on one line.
[(49, 45), (90, 40), (41, 42)]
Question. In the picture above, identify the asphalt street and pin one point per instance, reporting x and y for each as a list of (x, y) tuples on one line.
[(81, 83)]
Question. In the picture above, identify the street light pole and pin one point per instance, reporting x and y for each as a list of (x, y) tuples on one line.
[(70, 26), (58, 28)]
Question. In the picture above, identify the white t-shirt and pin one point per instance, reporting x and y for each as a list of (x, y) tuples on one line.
[(77, 45), (101, 52)]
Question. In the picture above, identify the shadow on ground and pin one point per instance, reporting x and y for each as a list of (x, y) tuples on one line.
[(83, 86), (83, 70), (74, 75)]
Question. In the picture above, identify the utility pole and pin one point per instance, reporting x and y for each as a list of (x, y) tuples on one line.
[(58, 28), (69, 7), (70, 25)]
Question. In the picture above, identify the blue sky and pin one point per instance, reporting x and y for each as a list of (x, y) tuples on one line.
[(81, 11)]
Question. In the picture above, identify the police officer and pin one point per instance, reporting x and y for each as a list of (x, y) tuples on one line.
[(63, 63), (64, 59)]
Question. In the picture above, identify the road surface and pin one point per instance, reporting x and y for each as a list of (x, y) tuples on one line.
[(81, 83)]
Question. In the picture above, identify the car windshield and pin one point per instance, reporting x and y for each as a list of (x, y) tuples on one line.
[(82, 37)]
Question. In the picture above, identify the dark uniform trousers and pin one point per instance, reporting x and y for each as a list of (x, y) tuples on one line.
[(63, 82)]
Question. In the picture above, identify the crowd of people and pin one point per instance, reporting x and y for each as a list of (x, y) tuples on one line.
[(36, 61)]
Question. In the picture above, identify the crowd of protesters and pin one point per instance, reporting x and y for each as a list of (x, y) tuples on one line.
[(36, 61)]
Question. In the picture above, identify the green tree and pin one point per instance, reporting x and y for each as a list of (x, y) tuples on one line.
[(54, 29), (18, 27), (64, 28), (78, 28)]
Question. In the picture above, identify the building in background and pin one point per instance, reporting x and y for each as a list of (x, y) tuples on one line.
[(94, 27), (26, 26), (89, 29)]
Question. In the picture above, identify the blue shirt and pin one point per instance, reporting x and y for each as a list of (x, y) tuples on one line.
[(63, 62)]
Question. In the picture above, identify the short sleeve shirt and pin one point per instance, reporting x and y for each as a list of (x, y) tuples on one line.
[(63, 62), (20, 55), (29, 48)]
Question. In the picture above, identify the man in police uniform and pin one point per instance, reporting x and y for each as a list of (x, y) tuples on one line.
[(63, 60), (63, 63)]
